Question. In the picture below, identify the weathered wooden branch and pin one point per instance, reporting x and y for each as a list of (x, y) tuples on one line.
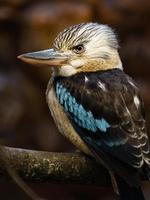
[(74, 168)]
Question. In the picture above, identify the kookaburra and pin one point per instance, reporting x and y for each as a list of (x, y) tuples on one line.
[(96, 105)]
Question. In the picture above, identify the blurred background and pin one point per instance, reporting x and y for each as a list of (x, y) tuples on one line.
[(25, 120)]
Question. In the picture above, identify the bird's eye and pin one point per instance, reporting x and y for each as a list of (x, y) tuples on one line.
[(78, 49)]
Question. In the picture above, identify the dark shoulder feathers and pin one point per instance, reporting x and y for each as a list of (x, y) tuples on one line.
[(107, 112)]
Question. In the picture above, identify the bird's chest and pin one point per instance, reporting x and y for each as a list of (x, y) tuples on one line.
[(62, 121)]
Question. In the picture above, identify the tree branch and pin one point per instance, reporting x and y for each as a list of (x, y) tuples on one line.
[(74, 168)]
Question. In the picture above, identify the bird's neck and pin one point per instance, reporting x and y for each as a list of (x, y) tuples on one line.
[(91, 65), (112, 62)]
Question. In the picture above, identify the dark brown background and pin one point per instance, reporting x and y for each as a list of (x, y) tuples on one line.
[(30, 25)]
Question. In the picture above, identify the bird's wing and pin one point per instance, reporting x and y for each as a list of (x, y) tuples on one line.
[(109, 117)]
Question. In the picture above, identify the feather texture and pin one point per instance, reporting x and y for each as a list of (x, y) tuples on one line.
[(83, 118), (102, 109)]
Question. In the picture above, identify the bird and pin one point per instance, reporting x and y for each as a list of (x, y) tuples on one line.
[(96, 105)]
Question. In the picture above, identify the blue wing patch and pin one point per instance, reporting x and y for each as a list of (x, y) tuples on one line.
[(83, 118)]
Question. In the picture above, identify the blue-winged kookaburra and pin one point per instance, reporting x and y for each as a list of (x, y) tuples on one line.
[(96, 105)]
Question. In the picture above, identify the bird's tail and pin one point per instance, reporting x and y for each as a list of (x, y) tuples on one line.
[(146, 171), (127, 192)]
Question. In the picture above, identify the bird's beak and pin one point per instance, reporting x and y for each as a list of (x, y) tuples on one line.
[(49, 57)]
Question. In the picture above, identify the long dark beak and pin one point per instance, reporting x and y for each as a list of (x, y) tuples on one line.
[(49, 57)]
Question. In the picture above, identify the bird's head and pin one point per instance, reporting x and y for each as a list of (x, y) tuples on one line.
[(85, 47)]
